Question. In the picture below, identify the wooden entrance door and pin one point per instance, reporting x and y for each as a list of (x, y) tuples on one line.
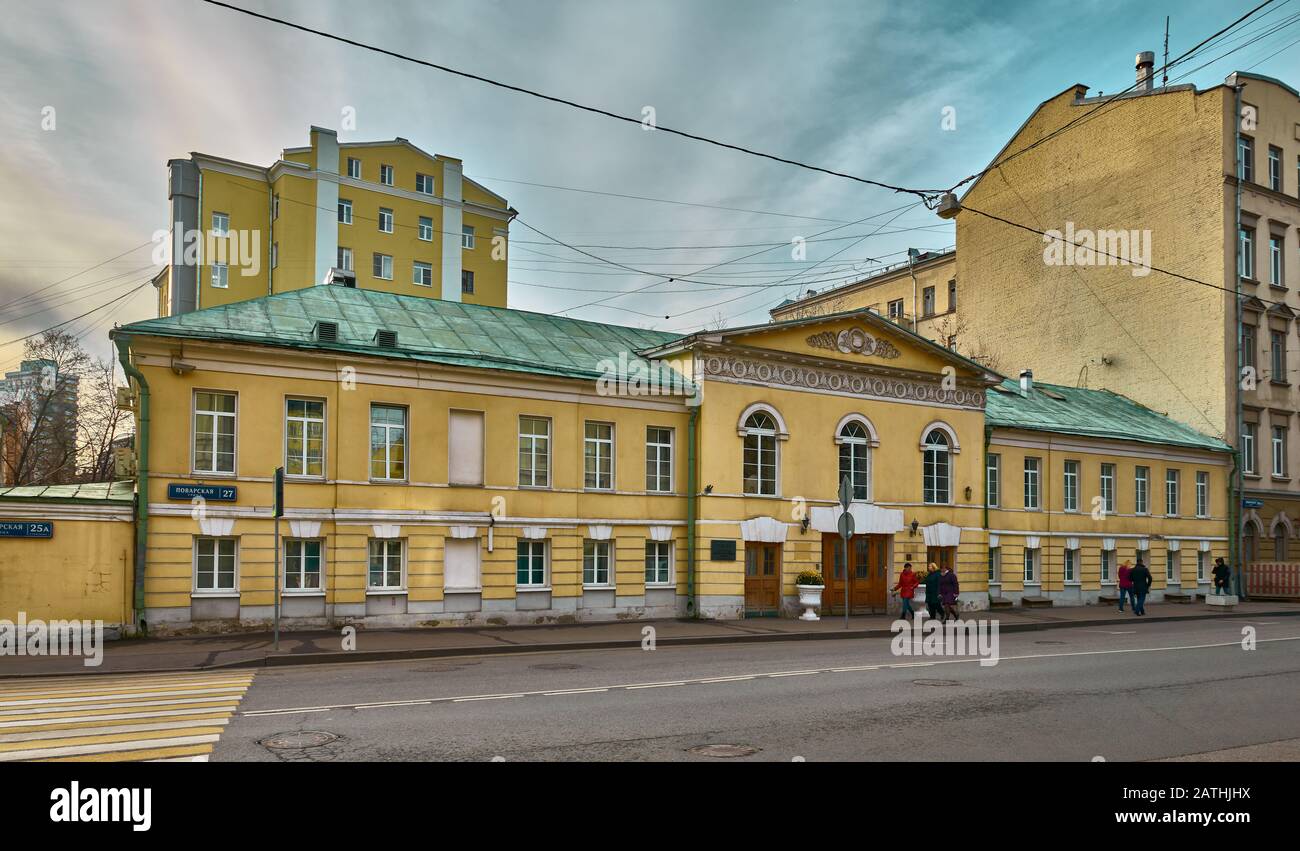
[(942, 557), (866, 577), (762, 579)]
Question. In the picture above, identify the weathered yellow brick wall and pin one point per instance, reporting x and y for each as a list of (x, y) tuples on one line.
[(1149, 163)]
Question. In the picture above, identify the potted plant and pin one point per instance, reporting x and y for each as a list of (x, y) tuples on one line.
[(809, 584)]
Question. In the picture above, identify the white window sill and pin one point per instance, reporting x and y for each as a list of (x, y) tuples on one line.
[(524, 589), (296, 592), (599, 587), (288, 477), (384, 592), (462, 590), (1074, 582), (650, 586), (208, 474), (214, 594)]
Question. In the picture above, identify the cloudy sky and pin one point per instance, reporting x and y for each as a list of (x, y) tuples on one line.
[(859, 86)]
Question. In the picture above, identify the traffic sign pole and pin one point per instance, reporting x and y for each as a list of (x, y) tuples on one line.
[(846, 531)]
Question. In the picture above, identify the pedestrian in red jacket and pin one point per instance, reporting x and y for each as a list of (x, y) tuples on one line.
[(906, 588), (1125, 585)]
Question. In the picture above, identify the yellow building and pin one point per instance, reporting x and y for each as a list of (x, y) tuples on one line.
[(452, 463), (375, 215)]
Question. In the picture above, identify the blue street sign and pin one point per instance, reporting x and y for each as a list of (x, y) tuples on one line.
[(26, 529), (212, 493), (1253, 503)]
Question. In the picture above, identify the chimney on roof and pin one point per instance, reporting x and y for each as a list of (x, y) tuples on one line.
[(1026, 381), (1146, 65)]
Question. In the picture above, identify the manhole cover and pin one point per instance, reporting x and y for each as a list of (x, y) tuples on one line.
[(555, 666), (722, 751), (1049, 642), (298, 740), (935, 682)]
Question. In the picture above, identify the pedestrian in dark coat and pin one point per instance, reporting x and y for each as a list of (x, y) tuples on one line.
[(1141, 578), (1222, 577), (948, 591), (933, 602)]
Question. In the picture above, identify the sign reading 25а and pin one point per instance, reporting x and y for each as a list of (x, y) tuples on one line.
[(26, 529)]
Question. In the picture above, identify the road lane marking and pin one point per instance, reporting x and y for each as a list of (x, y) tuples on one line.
[(745, 678)]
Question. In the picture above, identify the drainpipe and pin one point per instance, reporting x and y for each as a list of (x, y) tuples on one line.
[(1234, 503), (692, 508), (141, 476)]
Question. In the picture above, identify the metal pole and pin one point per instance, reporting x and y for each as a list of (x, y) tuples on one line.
[(277, 583), (844, 539)]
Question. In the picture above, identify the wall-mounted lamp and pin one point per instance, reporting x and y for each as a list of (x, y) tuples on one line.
[(708, 489), (915, 524), (181, 367), (968, 492)]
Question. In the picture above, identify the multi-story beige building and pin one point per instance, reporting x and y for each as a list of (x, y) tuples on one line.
[(1203, 183)]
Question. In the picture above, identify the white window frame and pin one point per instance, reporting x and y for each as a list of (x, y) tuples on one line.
[(764, 439), (216, 590), (848, 443), (1142, 490), (1070, 491), (305, 421), (594, 552), (592, 449), (930, 475), (467, 237), (386, 175), (1277, 442), (345, 259), (1172, 496), (995, 565), (535, 548), (345, 211), (424, 229), (1202, 493), (1249, 437), (659, 548), (424, 183), (300, 569), (386, 555), (354, 173), (1031, 568), (1107, 567), (1173, 558), (418, 267), (389, 429), (195, 413), (275, 255), (1070, 566), (1033, 483), (655, 455), (385, 218), (219, 277), (220, 224), (533, 441), (385, 266), (993, 479), (1276, 270), (1108, 476)]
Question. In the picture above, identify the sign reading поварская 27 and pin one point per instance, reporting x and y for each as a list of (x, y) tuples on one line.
[(212, 493), (26, 529)]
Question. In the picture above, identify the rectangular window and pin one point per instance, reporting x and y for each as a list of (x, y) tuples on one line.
[(1108, 567), (1248, 345), (467, 236), (659, 563), (1274, 168), (1071, 565), (385, 564), (1071, 492), (466, 282), (422, 274), (896, 309), (1031, 566), (595, 563), (387, 442), (1277, 356), (598, 456), (995, 564), (425, 230), (345, 259), (1201, 557), (461, 570), (1108, 488), (304, 437), (1171, 566), (345, 211), (385, 220), (1246, 253), (530, 564), (215, 564), (1031, 484), (386, 175), (1171, 493), (275, 255), (658, 459), (382, 266), (1248, 434), (534, 452), (214, 432), (952, 294), (993, 473), (221, 224), (354, 168), (1141, 490), (220, 275), (275, 207), (1279, 451), (424, 184), (1202, 494), (927, 301), (1246, 158), (465, 448), (1276, 246), (302, 565)]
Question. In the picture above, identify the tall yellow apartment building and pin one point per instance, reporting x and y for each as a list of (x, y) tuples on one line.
[(381, 216)]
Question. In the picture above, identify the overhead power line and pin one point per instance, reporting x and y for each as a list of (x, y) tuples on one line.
[(114, 300), (929, 196)]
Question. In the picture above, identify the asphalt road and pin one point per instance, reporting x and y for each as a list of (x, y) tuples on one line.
[(1150, 691)]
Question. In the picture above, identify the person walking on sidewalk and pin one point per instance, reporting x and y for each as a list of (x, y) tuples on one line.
[(1125, 585), (1222, 577), (1141, 579), (906, 588), (933, 604), (948, 591)]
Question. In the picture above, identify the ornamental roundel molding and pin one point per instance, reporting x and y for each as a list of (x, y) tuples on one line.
[(754, 371), (854, 340)]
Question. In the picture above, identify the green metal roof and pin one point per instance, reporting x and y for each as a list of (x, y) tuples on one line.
[(1089, 413), (428, 329), (89, 492)]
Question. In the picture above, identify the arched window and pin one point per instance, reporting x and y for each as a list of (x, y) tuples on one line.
[(936, 468), (1249, 544), (855, 458), (1279, 544), (760, 431)]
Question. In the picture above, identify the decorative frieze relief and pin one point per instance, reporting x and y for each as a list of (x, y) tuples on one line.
[(826, 380), (852, 340)]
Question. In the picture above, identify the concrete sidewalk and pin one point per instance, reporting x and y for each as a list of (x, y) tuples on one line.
[(254, 649)]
